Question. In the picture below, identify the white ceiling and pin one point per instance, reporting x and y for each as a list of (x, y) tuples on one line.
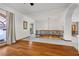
[(25, 8), (40, 11)]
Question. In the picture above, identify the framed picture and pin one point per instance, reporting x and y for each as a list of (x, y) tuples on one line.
[(31, 29), (24, 24)]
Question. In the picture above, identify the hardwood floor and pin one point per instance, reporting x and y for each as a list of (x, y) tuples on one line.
[(29, 48)]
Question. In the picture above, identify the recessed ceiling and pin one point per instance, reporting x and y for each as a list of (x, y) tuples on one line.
[(26, 8)]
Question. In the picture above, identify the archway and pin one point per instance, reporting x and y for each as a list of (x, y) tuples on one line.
[(2, 26), (68, 22)]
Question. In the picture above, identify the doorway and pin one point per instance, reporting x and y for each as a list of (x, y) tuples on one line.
[(75, 28)]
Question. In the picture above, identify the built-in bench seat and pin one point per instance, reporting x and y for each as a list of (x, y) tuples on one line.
[(58, 33)]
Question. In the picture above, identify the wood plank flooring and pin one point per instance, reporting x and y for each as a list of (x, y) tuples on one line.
[(29, 48)]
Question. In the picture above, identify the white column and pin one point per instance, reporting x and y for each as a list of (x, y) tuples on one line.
[(67, 29), (68, 22)]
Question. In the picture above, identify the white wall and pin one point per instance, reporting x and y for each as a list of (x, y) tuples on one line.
[(55, 22), (49, 25), (19, 17), (75, 16), (20, 32)]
